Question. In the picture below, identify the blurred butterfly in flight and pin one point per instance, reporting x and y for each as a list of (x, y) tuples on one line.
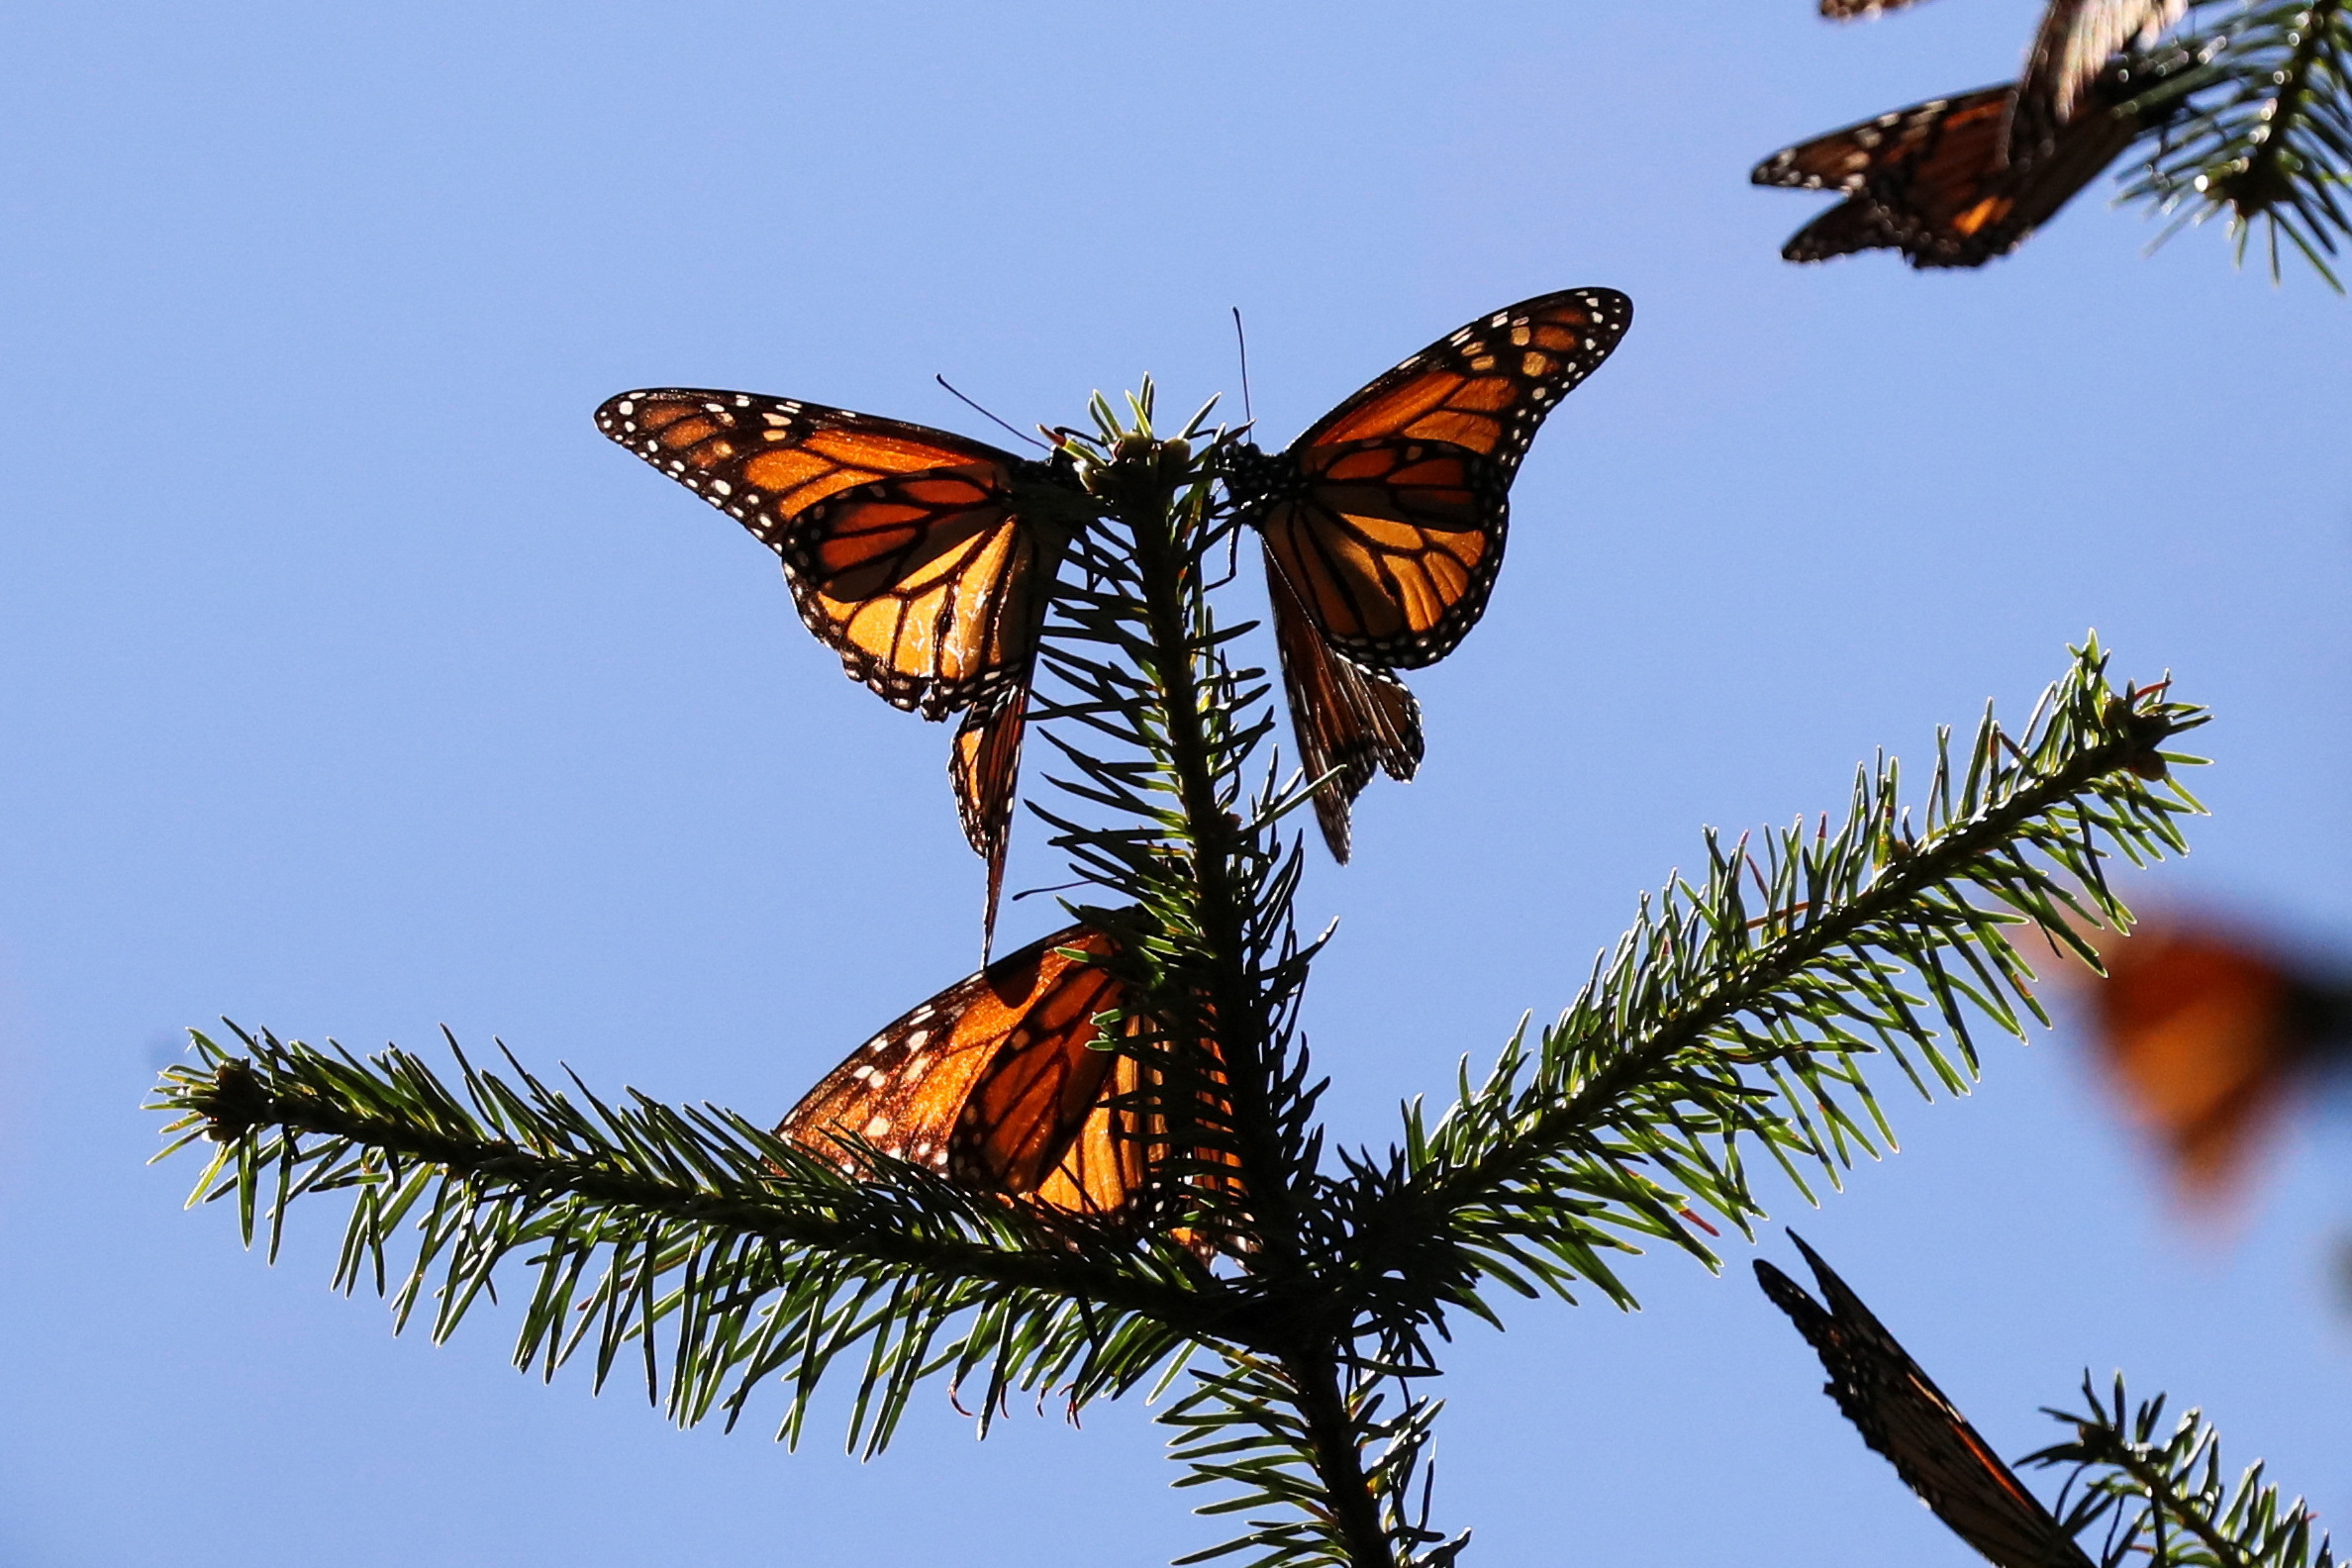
[(1956, 181), (2072, 47), (1902, 1414), (1384, 525), (1934, 182), (925, 559), (2208, 1032), (1006, 1083)]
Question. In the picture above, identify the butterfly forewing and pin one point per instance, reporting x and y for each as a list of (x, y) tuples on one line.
[(1901, 1414), (1486, 387), (1887, 146), (917, 1091), (764, 460), (1388, 517)]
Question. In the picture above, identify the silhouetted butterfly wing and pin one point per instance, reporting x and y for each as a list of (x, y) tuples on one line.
[(1901, 1414)]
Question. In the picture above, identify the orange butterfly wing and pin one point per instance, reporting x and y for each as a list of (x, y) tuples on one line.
[(2202, 1033), (1000, 1083), (1348, 720), (1936, 180), (1901, 1414), (1388, 517), (989, 1081), (984, 766), (920, 557)]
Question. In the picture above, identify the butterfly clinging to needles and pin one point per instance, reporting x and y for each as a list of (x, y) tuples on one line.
[(1933, 181), (1008, 1083), (1384, 525), (1902, 1414), (927, 560)]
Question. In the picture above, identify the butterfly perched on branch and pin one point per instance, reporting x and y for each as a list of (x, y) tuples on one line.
[(1902, 1414), (2072, 46), (1384, 525), (1039, 1079), (925, 559), (2208, 1033), (1934, 181)]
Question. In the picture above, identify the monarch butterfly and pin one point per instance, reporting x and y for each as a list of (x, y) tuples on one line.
[(2206, 1035), (927, 560), (2072, 46), (1906, 1417), (1932, 181), (1384, 525), (1006, 1083)]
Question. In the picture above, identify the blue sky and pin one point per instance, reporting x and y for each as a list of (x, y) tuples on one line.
[(355, 686)]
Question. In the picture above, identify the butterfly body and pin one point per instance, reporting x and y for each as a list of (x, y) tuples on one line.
[(926, 560), (1384, 524)]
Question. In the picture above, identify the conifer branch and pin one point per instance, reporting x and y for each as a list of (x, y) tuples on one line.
[(1718, 1022), (2163, 1500), (2264, 134), (642, 1219)]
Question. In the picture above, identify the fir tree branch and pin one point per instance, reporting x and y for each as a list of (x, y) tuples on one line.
[(2271, 142), (2164, 1500), (757, 1259), (1717, 1022)]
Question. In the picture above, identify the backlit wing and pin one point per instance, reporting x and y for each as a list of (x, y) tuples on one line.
[(1348, 720), (1848, 10), (1902, 1414), (928, 585), (990, 1081), (2072, 47), (1003, 1084), (1388, 517), (985, 768), (764, 460)]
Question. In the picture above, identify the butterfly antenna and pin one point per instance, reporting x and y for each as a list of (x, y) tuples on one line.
[(1241, 340), (976, 408)]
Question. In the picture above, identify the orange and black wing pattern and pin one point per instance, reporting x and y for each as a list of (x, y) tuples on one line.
[(1936, 181), (1006, 1083), (1386, 519), (2208, 1033), (1348, 720), (920, 556), (984, 766), (1902, 1414)]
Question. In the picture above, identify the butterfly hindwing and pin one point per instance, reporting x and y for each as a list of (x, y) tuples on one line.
[(925, 584), (1348, 720), (1901, 1414), (984, 767)]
